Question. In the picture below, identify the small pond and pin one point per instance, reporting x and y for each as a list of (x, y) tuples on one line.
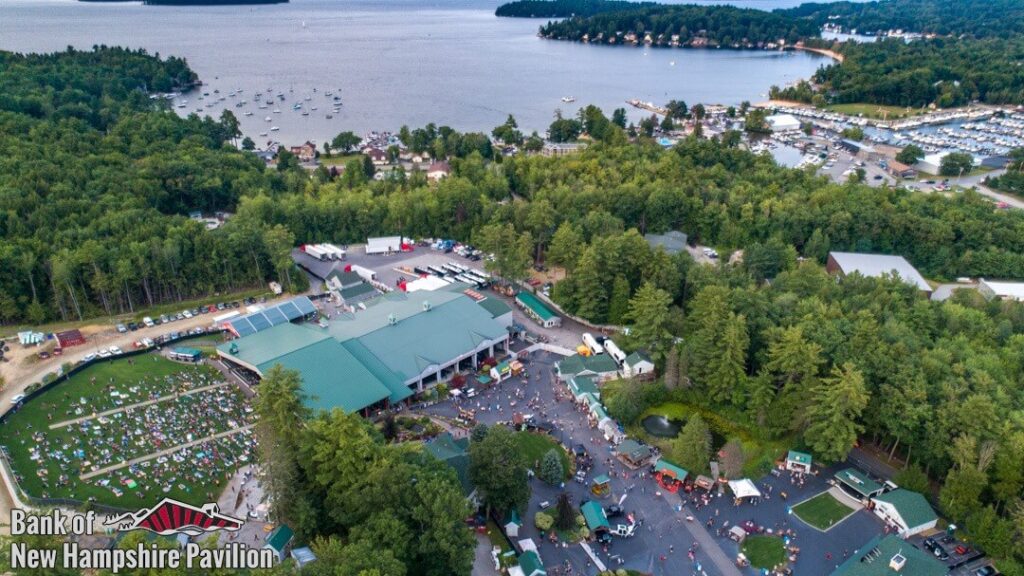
[(664, 427)]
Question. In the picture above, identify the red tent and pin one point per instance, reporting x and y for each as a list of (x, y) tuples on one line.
[(70, 338)]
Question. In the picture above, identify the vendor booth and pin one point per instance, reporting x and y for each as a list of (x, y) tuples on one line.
[(669, 476)]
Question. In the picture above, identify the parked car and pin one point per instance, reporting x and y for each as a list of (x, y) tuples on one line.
[(930, 544), (185, 313), (614, 511), (115, 350), (104, 353), (122, 328), (148, 322), (163, 318), (89, 358), (17, 398), (985, 571), (133, 326), (940, 553)]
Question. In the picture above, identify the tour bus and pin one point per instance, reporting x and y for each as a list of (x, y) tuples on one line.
[(437, 271), (592, 343)]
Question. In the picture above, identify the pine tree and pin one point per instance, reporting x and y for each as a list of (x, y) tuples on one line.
[(792, 360), (565, 515), (692, 447), (760, 393), (648, 316), (618, 306), (834, 413), (551, 470), (727, 369), (591, 296)]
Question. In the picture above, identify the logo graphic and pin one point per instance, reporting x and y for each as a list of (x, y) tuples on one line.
[(173, 517)]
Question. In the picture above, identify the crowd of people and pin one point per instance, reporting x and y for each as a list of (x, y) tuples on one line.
[(190, 406)]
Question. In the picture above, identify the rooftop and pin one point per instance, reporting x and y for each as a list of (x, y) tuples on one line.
[(534, 304), (799, 457), (876, 265), (495, 307), (912, 506), (455, 453), (663, 465), (858, 481), (875, 559), (594, 514), (597, 364), (1003, 289)]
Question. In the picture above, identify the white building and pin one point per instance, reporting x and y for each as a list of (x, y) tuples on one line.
[(783, 122), (637, 364), (906, 511), (1002, 290)]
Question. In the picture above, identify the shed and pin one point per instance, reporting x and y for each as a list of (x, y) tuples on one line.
[(908, 511), (513, 525), (186, 354), (278, 541), (798, 461), (595, 517), (303, 556), (530, 564), (601, 485), (70, 338), (638, 363), (537, 310)]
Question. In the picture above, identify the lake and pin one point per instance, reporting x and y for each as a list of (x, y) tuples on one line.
[(397, 62)]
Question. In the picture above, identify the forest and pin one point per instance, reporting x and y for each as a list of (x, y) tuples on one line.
[(684, 25), (977, 18), (946, 72), (564, 8)]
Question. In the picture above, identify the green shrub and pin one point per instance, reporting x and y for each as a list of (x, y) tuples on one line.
[(543, 521)]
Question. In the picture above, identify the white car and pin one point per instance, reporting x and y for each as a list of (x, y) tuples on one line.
[(104, 353), (17, 398), (115, 350), (148, 322), (187, 314)]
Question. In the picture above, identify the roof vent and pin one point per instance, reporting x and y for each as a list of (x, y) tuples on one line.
[(392, 320), (426, 305), (897, 562)]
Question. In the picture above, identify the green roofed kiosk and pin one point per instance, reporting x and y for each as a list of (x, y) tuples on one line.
[(537, 310), (595, 517), (798, 462), (857, 484)]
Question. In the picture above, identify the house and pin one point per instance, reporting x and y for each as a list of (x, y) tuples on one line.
[(890, 555), (673, 242), (561, 148), (513, 525), (798, 462), (876, 266), (278, 540), (529, 565), (438, 170), (1002, 290), (305, 153), (637, 364), (905, 510), (377, 156), (857, 148), (581, 385), (601, 366), (901, 170)]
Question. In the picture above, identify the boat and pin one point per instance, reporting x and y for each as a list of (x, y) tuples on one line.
[(329, 116), (263, 133), (305, 113), (182, 104), (274, 128), (296, 106), (277, 110), (313, 108), (568, 99), (248, 113), (267, 119)]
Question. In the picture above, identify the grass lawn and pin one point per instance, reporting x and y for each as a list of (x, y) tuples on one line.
[(822, 511), (873, 110), (93, 390), (535, 445), (761, 452), (764, 551)]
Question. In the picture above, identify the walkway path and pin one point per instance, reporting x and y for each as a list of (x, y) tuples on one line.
[(723, 564), (163, 452), (136, 405)]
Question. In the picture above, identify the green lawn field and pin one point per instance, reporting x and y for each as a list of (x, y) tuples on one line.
[(534, 446), (823, 511), (764, 551)]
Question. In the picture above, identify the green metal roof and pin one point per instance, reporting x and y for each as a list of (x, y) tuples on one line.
[(332, 377), (598, 411), (633, 449), (273, 343), (637, 357), (357, 290), (399, 391), (912, 506), (576, 364), (601, 479), (188, 351), (454, 453), (858, 481), (279, 537), (580, 385), (799, 457), (594, 514), (494, 306), (345, 278), (530, 564), (535, 305), (663, 465), (873, 558)]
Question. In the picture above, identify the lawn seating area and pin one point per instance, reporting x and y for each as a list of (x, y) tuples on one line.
[(49, 462), (764, 551), (534, 445)]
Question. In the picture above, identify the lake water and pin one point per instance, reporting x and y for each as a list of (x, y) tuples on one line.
[(398, 62)]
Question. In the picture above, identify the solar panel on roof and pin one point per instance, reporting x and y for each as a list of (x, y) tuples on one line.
[(274, 316), (304, 305), (243, 327)]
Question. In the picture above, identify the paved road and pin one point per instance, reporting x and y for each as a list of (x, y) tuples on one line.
[(723, 565), (163, 452), (133, 406)]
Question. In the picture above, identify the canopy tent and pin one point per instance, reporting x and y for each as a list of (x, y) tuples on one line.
[(744, 488), (28, 338)]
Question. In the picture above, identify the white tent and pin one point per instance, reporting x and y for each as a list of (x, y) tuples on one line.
[(783, 122), (744, 488)]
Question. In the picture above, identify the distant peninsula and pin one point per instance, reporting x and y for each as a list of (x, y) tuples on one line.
[(196, 2), (564, 8)]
